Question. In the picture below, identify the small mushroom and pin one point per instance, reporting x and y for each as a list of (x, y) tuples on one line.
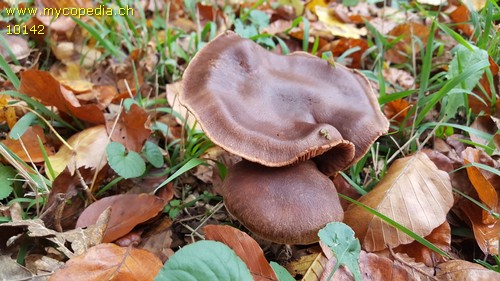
[(278, 110), (286, 204)]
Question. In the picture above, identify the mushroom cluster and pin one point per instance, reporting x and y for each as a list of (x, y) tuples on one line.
[(295, 119)]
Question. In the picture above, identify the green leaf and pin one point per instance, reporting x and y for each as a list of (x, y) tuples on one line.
[(340, 239), (127, 165), (204, 260), (461, 61), (22, 125), (245, 31), (350, 3), (153, 154), (281, 272), (259, 18), (7, 173)]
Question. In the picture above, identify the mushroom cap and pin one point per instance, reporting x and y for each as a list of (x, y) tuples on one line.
[(287, 205), (277, 110)]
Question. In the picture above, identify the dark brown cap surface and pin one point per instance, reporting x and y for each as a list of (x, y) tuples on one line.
[(286, 205)]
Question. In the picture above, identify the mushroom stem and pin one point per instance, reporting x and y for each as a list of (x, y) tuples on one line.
[(287, 205)]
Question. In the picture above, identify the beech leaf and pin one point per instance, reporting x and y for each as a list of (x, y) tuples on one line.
[(204, 260), (127, 211), (110, 262), (414, 193)]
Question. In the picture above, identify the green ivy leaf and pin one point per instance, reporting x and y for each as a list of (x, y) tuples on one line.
[(7, 173), (153, 154), (127, 165), (340, 239), (204, 260), (281, 272)]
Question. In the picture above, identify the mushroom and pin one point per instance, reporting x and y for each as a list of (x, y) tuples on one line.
[(281, 111), (286, 205), (278, 110)]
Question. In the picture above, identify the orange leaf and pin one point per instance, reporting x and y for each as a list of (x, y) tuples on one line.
[(127, 211), (483, 187), (7, 113), (42, 85), (486, 234), (245, 247), (30, 141), (400, 52), (461, 16), (110, 262), (397, 109), (130, 130)]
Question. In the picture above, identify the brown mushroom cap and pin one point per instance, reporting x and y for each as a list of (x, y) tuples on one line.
[(286, 205), (278, 110)]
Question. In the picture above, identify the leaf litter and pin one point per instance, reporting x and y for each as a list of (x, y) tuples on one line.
[(86, 205)]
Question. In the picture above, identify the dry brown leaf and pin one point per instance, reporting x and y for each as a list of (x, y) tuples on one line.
[(486, 235), (89, 148), (245, 247), (414, 193), (42, 85), (110, 262), (440, 236), (127, 211), (30, 142), (130, 130), (464, 270), (17, 45), (402, 50), (79, 239), (484, 188)]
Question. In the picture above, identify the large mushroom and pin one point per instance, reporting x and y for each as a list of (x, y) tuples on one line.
[(278, 111)]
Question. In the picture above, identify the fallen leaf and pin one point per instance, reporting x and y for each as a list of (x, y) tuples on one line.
[(33, 150), (130, 129), (403, 49), (484, 188), (487, 124), (310, 266), (338, 47), (336, 27), (42, 85), (486, 234), (89, 146), (7, 113), (397, 110), (11, 270), (110, 262), (464, 270), (127, 211), (440, 236), (17, 45), (461, 17), (485, 100), (413, 193), (245, 247)]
